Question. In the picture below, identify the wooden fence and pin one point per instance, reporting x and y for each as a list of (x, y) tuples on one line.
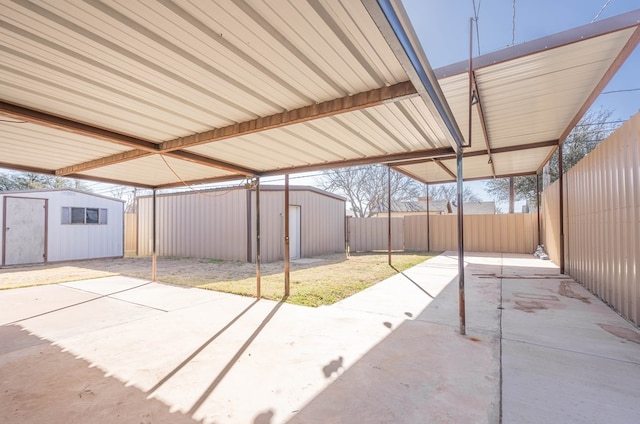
[(513, 233)]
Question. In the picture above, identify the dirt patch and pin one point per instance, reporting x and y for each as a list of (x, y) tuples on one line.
[(621, 332), (565, 290)]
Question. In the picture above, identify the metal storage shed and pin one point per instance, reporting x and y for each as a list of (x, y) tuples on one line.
[(220, 223), (59, 225)]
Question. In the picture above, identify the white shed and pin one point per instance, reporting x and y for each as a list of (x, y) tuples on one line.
[(41, 226)]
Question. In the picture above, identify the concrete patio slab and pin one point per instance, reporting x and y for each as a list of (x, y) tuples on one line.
[(106, 285), (21, 304), (125, 350)]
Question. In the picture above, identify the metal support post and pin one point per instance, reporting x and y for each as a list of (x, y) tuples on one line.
[(287, 256), (389, 213), (561, 178), (153, 257), (258, 238), (461, 299)]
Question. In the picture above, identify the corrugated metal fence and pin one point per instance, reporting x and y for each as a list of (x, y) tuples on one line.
[(513, 233), (130, 233), (602, 220)]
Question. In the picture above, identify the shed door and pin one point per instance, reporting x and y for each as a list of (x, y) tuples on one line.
[(294, 232), (24, 230)]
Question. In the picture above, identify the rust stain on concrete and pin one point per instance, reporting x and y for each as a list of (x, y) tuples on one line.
[(565, 290), (532, 296), (621, 332), (529, 306)]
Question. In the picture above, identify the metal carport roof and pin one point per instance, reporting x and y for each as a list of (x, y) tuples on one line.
[(156, 94), (159, 93), (530, 96)]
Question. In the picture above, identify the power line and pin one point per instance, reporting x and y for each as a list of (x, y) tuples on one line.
[(601, 10), (626, 90), (513, 24), (476, 13)]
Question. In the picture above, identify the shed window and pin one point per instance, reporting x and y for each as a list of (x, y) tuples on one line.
[(84, 215)]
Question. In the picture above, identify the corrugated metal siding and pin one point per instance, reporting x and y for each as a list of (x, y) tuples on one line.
[(76, 242), (513, 233), (551, 221), (199, 225), (130, 233), (369, 234), (321, 223), (602, 223), (214, 224)]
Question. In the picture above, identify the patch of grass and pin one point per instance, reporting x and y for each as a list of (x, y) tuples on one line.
[(318, 281), (325, 282)]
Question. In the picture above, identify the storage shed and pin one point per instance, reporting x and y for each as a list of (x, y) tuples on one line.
[(59, 225), (221, 223)]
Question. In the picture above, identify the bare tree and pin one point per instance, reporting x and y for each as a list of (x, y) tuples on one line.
[(449, 192), (367, 188), (593, 128), (126, 194), (11, 181)]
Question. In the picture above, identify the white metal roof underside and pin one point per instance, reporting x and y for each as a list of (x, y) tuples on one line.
[(530, 97), (165, 92)]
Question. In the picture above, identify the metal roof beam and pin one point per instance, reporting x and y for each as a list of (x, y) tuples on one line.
[(25, 168), (333, 107), (483, 122), (394, 24), (383, 159), (507, 149), (203, 160), (626, 51), (57, 122), (574, 35), (99, 163), (444, 168), (136, 154), (201, 181)]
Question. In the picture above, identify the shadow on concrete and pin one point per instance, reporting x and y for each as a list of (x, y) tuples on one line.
[(333, 367), (413, 282), (41, 383), (201, 348), (205, 395), (424, 371), (264, 417), (421, 373)]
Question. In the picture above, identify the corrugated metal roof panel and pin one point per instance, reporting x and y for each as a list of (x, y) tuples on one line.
[(153, 170), (264, 86), (33, 145)]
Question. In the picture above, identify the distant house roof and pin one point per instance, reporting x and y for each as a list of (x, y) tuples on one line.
[(477, 208), (440, 206)]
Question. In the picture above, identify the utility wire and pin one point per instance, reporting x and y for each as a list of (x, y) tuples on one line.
[(626, 90), (476, 13), (513, 24), (600, 12)]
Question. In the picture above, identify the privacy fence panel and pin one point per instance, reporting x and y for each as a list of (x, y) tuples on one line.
[(130, 233), (602, 220), (514, 233), (370, 234)]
